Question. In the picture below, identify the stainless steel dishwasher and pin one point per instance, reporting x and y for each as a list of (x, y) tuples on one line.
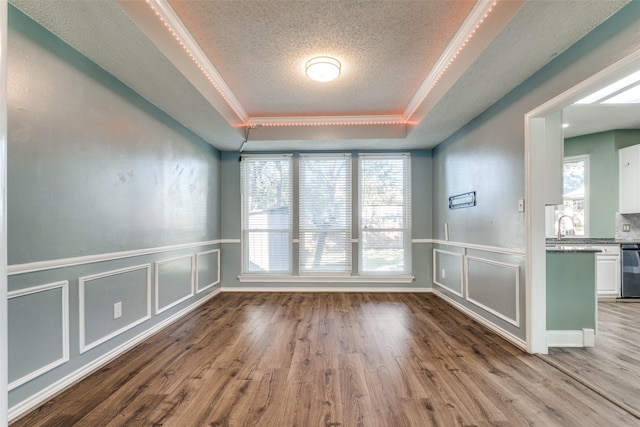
[(630, 270)]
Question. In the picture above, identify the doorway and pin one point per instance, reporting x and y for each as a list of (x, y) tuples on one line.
[(537, 156)]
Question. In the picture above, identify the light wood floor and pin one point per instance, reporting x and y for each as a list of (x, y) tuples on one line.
[(613, 365), (327, 360)]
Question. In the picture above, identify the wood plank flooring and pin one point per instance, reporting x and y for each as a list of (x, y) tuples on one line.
[(327, 359), (613, 365)]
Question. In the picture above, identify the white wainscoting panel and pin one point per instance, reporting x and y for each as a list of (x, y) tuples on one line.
[(437, 271), (84, 283), (50, 391), (63, 356), (176, 271), (200, 260), (518, 342), (504, 284), (91, 259)]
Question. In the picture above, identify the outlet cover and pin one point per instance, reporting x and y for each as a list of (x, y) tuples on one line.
[(117, 310), (626, 228)]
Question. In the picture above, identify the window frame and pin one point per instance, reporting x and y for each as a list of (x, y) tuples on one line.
[(586, 205), (348, 272), (407, 214), (245, 159)]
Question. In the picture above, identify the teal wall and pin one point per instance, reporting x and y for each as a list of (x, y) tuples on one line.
[(571, 291), (627, 137), (603, 179), (602, 149), (488, 154), (94, 169), (421, 225)]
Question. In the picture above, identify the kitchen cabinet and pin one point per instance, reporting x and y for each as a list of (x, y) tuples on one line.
[(629, 179), (608, 271)]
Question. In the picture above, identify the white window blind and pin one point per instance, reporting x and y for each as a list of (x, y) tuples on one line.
[(385, 214), (266, 214), (325, 214)]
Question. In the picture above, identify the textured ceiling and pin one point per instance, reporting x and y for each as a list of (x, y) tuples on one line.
[(101, 31), (538, 33), (258, 48)]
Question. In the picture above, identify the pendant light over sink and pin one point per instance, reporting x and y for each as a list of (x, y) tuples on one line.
[(323, 68)]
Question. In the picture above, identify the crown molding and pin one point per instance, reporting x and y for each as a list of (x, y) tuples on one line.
[(467, 30), (177, 29), (326, 121)]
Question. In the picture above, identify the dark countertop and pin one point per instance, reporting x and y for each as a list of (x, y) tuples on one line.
[(571, 249), (589, 241)]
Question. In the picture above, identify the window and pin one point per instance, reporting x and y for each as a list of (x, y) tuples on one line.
[(325, 214), (385, 214), (299, 215), (267, 224), (574, 195)]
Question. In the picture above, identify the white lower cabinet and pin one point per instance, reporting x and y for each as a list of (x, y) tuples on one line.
[(608, 270)]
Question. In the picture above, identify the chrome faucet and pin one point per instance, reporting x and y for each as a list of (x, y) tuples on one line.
[(560, 235)]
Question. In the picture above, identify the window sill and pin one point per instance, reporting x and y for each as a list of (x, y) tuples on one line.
[(262, 278)]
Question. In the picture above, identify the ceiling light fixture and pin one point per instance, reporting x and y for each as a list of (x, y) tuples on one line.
[(323, 68), (629, 96), (611, 89)]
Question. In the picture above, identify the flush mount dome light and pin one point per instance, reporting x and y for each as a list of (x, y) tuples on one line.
[(323, 69)]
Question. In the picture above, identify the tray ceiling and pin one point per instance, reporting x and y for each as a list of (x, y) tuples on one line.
[(413, 72)]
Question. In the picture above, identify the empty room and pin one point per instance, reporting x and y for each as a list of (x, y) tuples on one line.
[(318, 213)]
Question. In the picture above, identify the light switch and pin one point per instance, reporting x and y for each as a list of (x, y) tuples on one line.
[(520, 205), (117, 310)]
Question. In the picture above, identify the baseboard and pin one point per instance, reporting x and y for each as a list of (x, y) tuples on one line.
[(47, 393), (518, 342), (325, 289), (572, 338)]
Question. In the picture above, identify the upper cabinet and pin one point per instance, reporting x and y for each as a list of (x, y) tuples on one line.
[(630, 179)]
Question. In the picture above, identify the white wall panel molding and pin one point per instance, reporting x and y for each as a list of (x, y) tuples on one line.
[(89, 259), (516, 284), (199, 255), (423, 289), (489, 325), (64, 307), (485, 248), (158, 267), (82, 282), (48, 392), (436, 269), (3, 213)]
